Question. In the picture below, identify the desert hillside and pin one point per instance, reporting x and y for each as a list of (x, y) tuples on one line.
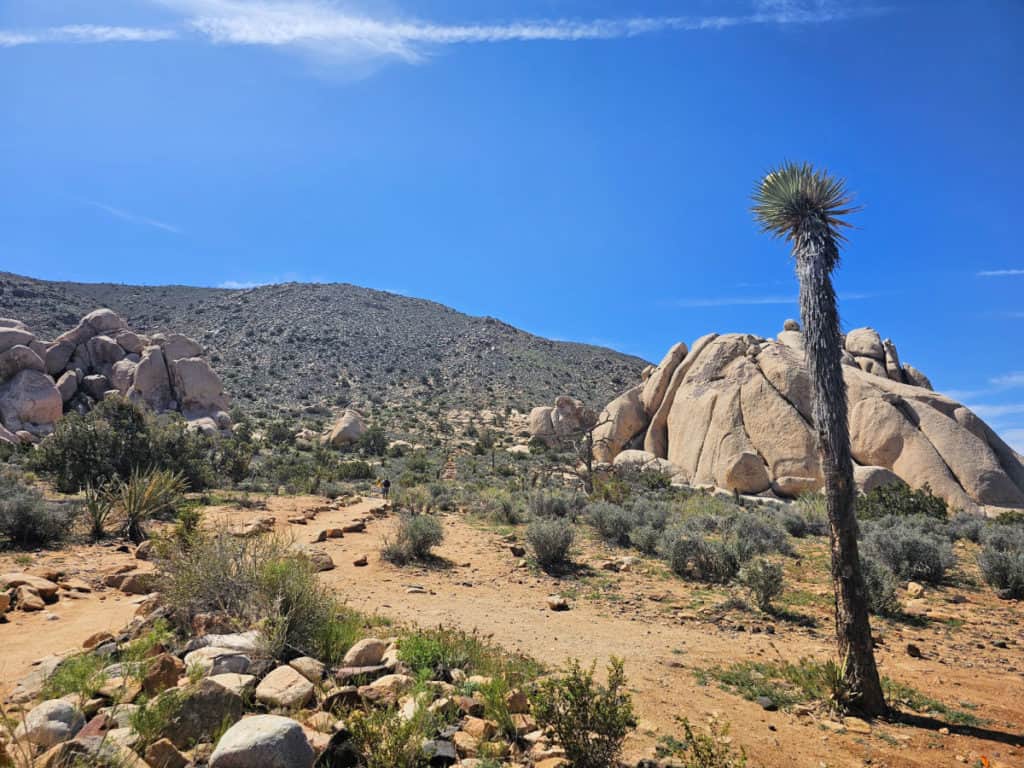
[(298, 345)]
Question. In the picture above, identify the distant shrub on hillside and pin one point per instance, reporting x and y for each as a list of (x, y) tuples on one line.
[(1002, 559)]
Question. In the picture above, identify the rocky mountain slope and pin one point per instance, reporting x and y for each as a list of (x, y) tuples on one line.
[(297, 345)]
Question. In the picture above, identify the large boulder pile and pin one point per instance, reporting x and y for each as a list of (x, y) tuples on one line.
[(568, 419), (100, 357), (734, 411)]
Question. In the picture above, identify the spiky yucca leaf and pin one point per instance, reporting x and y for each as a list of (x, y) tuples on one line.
[(795, 196), (147, 494)]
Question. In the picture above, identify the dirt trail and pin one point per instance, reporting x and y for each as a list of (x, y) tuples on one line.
[(640, 616)]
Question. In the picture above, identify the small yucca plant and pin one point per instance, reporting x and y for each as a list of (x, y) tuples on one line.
[(99, 503), (145, 495)]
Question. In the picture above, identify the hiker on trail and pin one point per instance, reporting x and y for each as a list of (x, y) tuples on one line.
[(385, 488)]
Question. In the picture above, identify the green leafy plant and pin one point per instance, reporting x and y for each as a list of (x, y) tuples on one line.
[(900, 500), (589, 720), (702, 750), (764, 580), (414, 538), (551, 540)]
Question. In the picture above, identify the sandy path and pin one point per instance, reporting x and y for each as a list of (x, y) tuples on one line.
[(643, 618)]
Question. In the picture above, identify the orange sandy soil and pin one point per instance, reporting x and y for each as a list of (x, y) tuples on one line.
[(664, 629)]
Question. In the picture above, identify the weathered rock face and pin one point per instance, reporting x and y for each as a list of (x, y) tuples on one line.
[(97, 358), (736, 414), (346, 430), (569, 418)]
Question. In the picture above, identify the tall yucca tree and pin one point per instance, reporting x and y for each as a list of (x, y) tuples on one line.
[(808, 208)]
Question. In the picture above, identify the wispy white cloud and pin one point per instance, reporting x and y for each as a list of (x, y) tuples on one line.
[(738, 301), (85, 33), (1001, 273), (335, 28), (120, 213)]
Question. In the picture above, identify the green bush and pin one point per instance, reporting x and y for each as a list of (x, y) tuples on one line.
[(881, 587), (117, 437), (414, 539), (26, 519), (551, 539), (354, 470), (703, 750), (897, 499), (1002, 559), (145, 495), (589, 720), (81, 675), (373, 442), (966, 526), (385, 739), (764, 580)]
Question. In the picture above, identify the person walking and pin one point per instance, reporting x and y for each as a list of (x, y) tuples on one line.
[(385, 488)]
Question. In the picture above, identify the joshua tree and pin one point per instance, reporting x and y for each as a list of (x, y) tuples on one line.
[(807, 207)]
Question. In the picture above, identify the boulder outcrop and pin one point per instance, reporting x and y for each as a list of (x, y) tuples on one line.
[(100, 356), (734, 411), (568, 418)]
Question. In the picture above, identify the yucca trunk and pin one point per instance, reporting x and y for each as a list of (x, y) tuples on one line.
[(816, 254)]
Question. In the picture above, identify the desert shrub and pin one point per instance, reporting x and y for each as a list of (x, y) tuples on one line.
[(152, 718), (416, 498), (646, 538), (749, 534), (373, 442), (703, 750), (764, 580), (442, 496), (257, 581), (386, 739), (915, 548), (589, 720), (964, 525), (443, 649), (694, 557), (26, 518), (501, 506), (706, 505), (233, 457), (811, 508), (81, 675), (613, 523), (354, 470), (881, 587), (145, 495), (652, 512), (898, 500), (1010, 517), (279, 432), (611, 488), (1002, 559), (414, 538), (117, 437), (550, 539), (551, 504)]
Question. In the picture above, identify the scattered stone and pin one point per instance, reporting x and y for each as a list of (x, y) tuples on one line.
[(202, 714), (856, 725), (27, 599), (214, 660), (387, 690), (365, 653), (241, 685), (163, 754), (767, 703), (266, 741), (285, 688), (309, 668), (50, 723), (558, 603), (915, 590), (361, 561), (914, 652), (162, 673), (440, 753)]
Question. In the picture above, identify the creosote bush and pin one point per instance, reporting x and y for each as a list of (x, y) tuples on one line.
[(694, 557), (589, 720), (550, 539), (414, 538)]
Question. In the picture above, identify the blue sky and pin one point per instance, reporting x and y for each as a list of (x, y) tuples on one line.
[(579, 168)]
